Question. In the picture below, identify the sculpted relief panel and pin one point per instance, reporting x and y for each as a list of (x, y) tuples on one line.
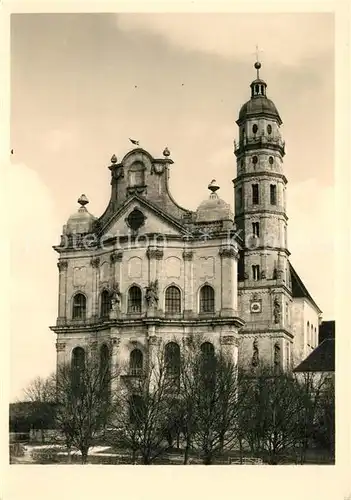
[(207, 267), (79, 276), (135, 267), (173, 267)]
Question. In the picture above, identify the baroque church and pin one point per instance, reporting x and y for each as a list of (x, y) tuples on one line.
[(148, 273)]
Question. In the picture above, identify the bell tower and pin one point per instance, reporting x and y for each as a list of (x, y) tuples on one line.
[(260, 216)]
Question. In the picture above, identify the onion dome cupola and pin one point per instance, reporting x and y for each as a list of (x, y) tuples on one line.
[(213, 208), (259, 122), (82, 221), (259, 104)]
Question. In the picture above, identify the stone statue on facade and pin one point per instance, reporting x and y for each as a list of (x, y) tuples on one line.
[(151, 295), (115, 295), (255, 355), (276, 310)]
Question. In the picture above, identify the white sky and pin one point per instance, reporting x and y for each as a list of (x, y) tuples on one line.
[(74, 103)]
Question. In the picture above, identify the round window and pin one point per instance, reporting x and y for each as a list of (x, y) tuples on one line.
[(254, 128), (269, 129), (271, 160), (135, 219), (254, 160)]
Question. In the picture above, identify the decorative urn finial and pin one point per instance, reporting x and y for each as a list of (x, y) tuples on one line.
[(113, 159), (213, 187), (83, 200), (166, 152)]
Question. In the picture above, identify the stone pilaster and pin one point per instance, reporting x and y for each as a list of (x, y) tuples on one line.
[(154, 353), (188, 257), (229, 346), (95, 263), (115, 368), (155, 255), (62, 266), (60, 353), (229, 288)]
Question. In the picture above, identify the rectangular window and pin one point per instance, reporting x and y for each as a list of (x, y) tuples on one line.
[(255, 196), (273, 194), (256, 272), (256, 228), (239, 201)]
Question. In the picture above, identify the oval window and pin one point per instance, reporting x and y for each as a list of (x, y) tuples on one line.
[(254, 160), (254, 128), (271, 160), (269, 129)]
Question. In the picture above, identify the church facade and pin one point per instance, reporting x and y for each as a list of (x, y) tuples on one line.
[(148, 273)]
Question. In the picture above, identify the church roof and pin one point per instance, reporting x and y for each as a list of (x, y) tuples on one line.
[(259, 105), (321, 359), (298, 288)]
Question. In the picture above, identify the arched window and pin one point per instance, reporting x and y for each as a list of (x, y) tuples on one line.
[(172, 359), (135, 409), (172, 300), (78, 358), (79, 306), (134, 300), (136, 363), (308, 332), (207, 302), (105, 304), (207, 349), (77, 368)]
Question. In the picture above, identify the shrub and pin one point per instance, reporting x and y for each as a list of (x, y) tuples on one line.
[(46, 456)]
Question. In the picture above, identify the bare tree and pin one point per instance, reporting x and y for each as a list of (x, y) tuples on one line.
[(40, 395), (271, 418), (209, 400), (84, 402), (144, 409), (312, 388)]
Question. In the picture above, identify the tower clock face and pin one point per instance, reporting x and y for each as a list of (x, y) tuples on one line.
[(255, 307)]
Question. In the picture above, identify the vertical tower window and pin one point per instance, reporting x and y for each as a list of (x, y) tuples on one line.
[(273, 194), (269, 129), (271, 160), (239, 200), (254, 128), (255, 194), (254, 160), (256, 228), (256, 272)]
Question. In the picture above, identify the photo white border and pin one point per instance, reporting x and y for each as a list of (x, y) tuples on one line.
[(245, 482)]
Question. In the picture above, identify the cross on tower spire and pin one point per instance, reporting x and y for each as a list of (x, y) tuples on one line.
[(257, 64)]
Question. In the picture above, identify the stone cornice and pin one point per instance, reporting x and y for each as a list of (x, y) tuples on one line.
[(260, 211), (259, 174), (157, 321), (267, 332)]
